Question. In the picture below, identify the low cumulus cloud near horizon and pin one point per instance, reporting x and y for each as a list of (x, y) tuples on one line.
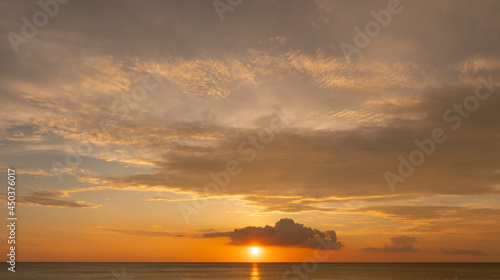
[(400, 244), (284, 233), (464, 252)]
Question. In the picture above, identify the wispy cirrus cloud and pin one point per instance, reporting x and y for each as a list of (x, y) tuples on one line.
[(50, 199), (143, 233)]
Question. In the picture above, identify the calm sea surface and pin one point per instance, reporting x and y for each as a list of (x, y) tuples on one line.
[(248, 271)]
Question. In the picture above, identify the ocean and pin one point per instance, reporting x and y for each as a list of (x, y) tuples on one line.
[(254, 271)]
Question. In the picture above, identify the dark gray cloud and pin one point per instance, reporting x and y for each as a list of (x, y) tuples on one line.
[(400, 244), (190, 28), (464, 252), (285, 233)]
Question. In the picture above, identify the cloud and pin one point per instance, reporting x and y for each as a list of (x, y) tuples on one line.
[(344, 137), (285, 233), (51, 202), (403, 241), (50, 199), (170, 199), (464, 252), (316, 163), (145, 233), (445, 219), (400, 244), (34, 172), (284, 204), (414, 212)]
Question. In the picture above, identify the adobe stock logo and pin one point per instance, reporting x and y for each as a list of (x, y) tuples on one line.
[(39, 20), (455, 116), (372, 29), (222, 7)]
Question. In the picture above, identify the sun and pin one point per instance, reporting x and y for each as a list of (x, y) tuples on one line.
[(255, 250)]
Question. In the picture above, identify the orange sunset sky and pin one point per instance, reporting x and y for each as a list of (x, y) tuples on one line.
[(174, 131)]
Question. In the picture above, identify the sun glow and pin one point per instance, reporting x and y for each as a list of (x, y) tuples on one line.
[(255, 250)]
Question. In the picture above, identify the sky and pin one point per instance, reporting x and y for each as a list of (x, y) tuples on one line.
[(195, 130)]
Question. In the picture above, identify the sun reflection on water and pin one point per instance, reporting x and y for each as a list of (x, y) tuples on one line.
[(255, 274)]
